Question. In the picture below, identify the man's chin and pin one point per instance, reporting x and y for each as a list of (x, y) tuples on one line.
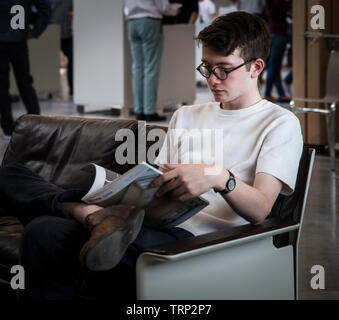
[(220, 98)]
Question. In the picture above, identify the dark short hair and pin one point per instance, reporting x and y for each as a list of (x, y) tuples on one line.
[(235, 30)]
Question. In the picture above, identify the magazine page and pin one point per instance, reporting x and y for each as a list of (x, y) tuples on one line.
[(142, 175), (111, 176), (101, 177)]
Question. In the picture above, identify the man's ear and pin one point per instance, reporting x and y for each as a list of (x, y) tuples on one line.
[(257, 67)]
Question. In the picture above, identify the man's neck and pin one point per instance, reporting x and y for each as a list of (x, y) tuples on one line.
[(241, 102)]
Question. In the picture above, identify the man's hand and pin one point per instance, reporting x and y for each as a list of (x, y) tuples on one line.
[(186, 181)]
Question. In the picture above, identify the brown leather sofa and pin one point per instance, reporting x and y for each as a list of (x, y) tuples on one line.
[(57, 147)]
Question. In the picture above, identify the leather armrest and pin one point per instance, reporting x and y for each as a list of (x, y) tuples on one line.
[(273, 226)]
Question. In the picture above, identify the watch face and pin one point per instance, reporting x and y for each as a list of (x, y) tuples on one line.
[(231, 185)]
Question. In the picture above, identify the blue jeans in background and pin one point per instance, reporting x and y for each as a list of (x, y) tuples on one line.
[(146, 41), (278, 47)]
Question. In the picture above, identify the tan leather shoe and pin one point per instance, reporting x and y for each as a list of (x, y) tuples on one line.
[(112, 230)]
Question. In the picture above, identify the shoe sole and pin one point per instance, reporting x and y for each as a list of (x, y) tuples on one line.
[(108, 252)]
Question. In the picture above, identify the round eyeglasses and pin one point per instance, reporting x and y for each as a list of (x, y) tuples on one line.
[(219, 72)]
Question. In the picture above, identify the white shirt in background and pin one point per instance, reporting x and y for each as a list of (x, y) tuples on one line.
[(206, 10), (137, 9)]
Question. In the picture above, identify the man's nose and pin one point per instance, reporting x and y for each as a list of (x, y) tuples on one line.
[(213, 79)]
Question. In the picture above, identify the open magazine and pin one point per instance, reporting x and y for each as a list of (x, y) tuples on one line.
[(133, 188)]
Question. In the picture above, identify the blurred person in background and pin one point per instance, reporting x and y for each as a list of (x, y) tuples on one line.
[(144, 20), (188, 12), (18, 23), (62, 14), (277, 12), (288, 80), (207, 11)]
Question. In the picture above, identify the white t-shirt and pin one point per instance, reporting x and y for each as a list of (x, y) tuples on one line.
[(261, 138), (206, 9)]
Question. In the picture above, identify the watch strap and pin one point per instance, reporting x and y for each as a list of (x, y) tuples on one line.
[(226, 190)]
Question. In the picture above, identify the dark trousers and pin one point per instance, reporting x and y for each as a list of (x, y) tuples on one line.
[(67, 49), (278, 47), (16, 54), (52, 240)]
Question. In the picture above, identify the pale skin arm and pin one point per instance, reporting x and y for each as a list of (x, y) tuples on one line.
[(253, 203)]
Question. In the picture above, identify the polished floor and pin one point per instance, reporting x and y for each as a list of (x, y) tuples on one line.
[(319, 242)]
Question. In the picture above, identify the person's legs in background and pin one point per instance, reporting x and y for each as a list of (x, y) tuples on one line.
[(288, 83), (67, 49), (7, 122), (19, 59), (274, 67), (137, 67), (269, 75), (279, 59), (152, 36)]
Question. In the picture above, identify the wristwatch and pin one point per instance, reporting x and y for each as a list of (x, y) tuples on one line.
[(230, 185)]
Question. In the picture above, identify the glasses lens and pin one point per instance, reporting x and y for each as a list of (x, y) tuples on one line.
[(220, 73), (204, 71)]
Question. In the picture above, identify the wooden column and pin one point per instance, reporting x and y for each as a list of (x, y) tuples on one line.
[(310, 63), (300, 56)]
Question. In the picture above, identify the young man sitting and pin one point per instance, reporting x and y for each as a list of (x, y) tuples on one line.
[(257, 146), (260, 143)]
